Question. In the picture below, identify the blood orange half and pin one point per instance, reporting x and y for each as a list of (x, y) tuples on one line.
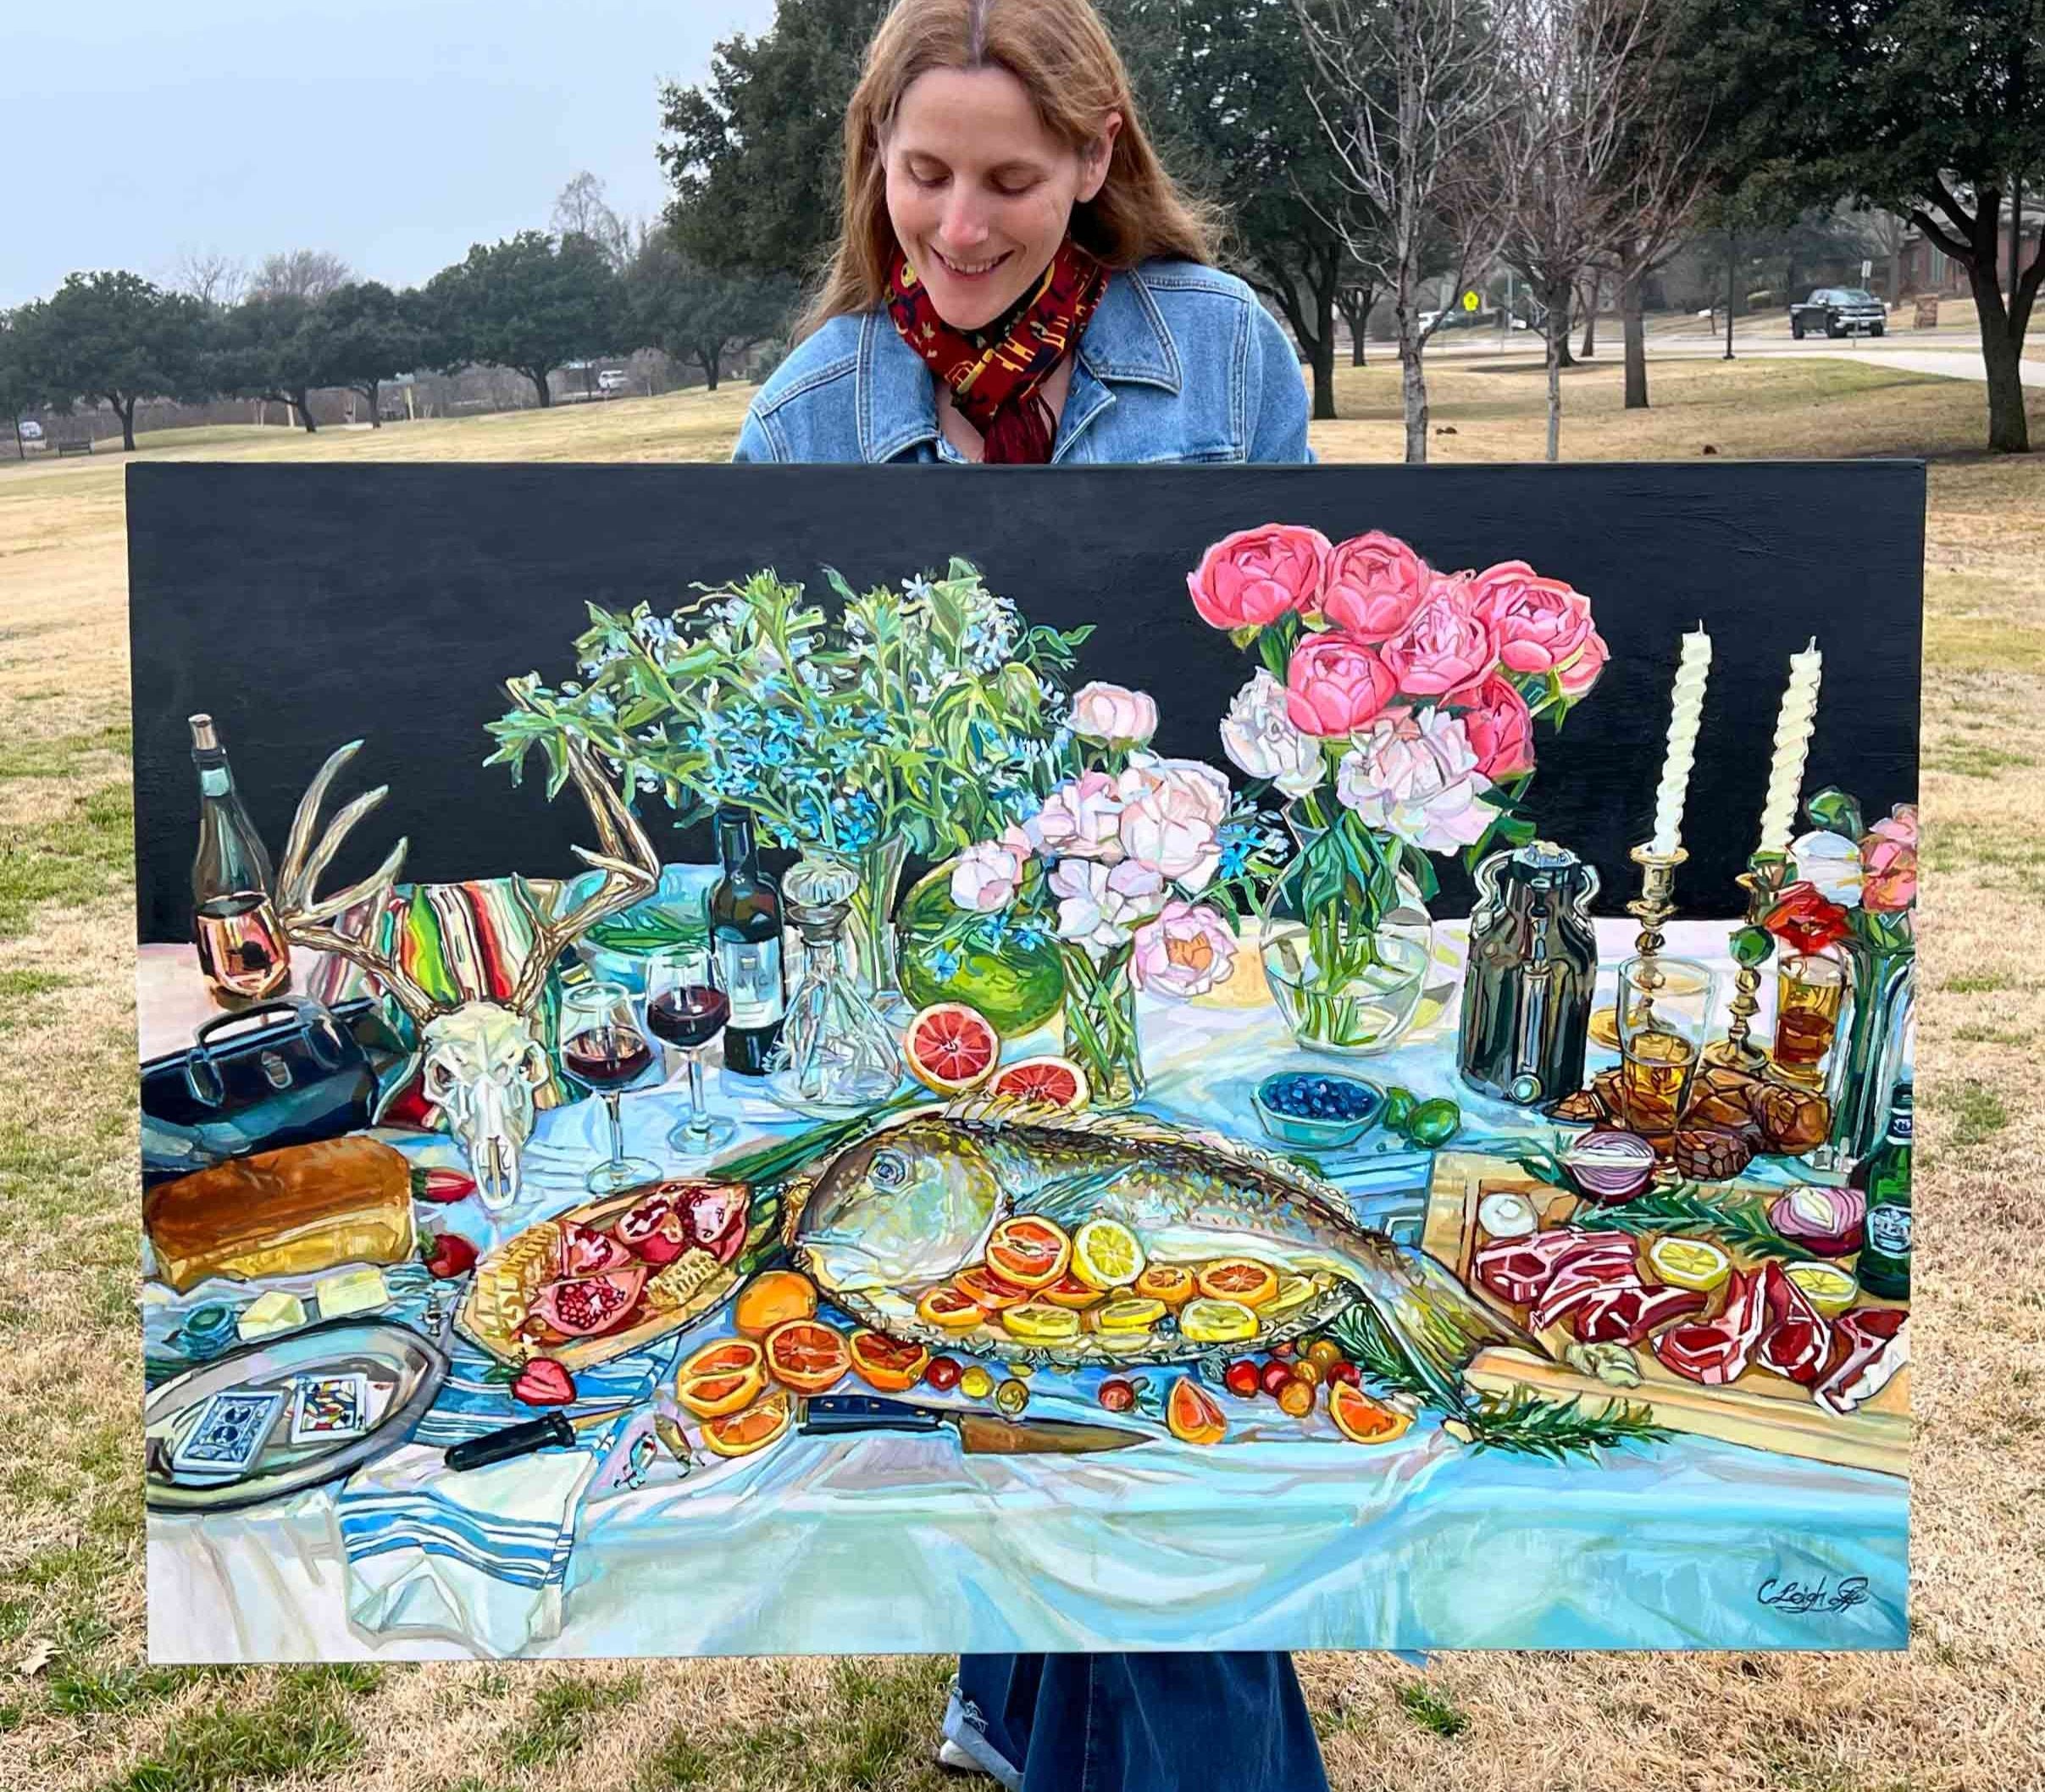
[(953, 1308), (882, 1363), (951, 1048), (754, 1429), (1028, 1251), (1052, 1082), (807, 1354), (991, 1291)]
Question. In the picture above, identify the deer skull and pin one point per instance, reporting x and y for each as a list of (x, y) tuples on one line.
[(482, 1069)]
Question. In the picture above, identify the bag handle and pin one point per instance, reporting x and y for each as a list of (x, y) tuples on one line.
[(322, 1038)]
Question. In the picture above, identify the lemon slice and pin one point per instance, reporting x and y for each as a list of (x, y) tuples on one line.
[(1689, 1263), (1132, 1315), (1041, 1323), (1216, 1322), (1106, 1255), (1829, 1289), (1293, 1290)]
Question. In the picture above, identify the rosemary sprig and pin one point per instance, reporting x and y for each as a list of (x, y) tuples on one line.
[(1686, 1208)]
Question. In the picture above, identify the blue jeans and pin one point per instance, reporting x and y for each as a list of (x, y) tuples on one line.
[(1136, 1722)]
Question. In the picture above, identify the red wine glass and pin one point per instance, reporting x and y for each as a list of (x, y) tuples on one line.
[(602, 1047), (687, 1008)]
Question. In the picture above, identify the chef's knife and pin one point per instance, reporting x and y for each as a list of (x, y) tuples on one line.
[(555, 1431), (983, 1434)]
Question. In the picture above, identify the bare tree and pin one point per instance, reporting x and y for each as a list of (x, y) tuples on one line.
[(1408, 93), (581, 208), (306, 274), (216, 280)]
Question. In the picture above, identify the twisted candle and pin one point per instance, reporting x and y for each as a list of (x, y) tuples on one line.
[(1792, 747), (1687, 710)]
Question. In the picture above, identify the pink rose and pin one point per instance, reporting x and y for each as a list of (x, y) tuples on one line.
[(1375, 583), (1081, 818), (984, 876), (1185, 952), (1103, 712), (1890, 855), (1334, 685), (1499, 728), (1541, 624), (1446, 647), (1577, 677), (1250, 579), (1171, 815)]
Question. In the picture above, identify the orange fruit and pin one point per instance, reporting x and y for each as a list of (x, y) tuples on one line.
[(881, 1363), (951, 1048), (1029, 1251), (755, 1429), (721, 1378), (1068, 1291), (772, 1298), (1360, 1418), (1241, 1279), (952, 1308), (981, 1284), (1191, 1413), (807, 1354), (1171, 1283), (1043, 1082)]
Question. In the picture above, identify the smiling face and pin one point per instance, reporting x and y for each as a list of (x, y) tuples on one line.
[(979, 192)]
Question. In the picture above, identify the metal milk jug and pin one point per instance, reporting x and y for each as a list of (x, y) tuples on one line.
[(1528, 977)]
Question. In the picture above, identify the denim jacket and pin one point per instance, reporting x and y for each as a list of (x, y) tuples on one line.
[(1178, 363)]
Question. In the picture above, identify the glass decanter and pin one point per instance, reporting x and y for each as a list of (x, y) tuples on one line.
[(836, 1055)]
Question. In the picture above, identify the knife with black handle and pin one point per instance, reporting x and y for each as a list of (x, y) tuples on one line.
[(982, 1434), (555, 1431)]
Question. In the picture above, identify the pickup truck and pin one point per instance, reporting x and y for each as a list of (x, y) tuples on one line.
[(1837, 311)]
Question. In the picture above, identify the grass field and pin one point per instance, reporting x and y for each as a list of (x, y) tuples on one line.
[(81, 1708)]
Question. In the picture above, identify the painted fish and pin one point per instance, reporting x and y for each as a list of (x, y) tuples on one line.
[(904, 1208)]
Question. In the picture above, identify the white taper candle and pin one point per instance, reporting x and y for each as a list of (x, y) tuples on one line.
[(1792, 747), (1686, 710)]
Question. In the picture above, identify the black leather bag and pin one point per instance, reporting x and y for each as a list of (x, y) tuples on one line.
[(281, 1073)]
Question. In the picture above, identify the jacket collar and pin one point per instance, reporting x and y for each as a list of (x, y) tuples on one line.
[(1126, 343)]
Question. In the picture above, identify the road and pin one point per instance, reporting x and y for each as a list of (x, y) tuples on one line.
[(1955, 363)]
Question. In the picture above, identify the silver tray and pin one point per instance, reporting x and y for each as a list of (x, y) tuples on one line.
[(394, 1357)]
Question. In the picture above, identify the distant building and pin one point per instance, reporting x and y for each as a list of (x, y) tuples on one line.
[(1926, 267)]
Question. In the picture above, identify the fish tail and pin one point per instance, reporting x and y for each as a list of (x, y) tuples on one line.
[(1434, 1322)]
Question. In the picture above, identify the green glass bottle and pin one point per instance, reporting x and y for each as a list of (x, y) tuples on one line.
[(1884, 1176)]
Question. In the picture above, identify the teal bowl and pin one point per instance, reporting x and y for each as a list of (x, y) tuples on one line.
[(1318, 1133)]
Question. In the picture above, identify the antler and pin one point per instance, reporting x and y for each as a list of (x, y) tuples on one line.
[(304, 916), (631, 872)]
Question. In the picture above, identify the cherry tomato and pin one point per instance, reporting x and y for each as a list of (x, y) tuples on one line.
[(1324, 1352), (1284, 1351), (1308, 1371), (1297, 1398), (942, 1373), (1276, 1374), (1117, 1395), (1345, 1372), (1243, 1379)]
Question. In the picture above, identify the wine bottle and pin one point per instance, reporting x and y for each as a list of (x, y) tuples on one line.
[(745, 930), (242, 952), (1884, 1176)]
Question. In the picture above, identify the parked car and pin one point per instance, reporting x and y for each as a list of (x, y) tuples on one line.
[(1837, 311), (29, 430), (612, 379)]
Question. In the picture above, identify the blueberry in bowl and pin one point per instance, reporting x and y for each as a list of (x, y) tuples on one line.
[(1316, 1110)]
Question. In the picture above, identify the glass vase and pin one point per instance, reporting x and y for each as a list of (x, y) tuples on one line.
[(1345, 938), (1101, 1024), (1884, 992), (870, 927)]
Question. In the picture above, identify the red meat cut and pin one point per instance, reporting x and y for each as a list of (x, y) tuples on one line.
[(1714, 1352), (1871, 1341), (1519, 1269), (1583, 1275), (1798, 1339), (1623, 1315)]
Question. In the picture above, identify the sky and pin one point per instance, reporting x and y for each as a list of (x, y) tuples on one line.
[(393, 133)]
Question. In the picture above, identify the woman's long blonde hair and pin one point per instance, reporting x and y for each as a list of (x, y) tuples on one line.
[(1063, 56)]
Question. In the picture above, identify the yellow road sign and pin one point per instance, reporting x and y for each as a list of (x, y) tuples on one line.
[(1470, 300)]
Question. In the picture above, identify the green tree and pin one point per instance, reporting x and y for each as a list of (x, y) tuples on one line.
[(370, 334), (272, 346), (1932, 108), (116, 336), (18, 383), (697, 314), (531, 303)]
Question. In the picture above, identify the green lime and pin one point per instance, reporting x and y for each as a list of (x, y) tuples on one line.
[(1753, 946), (946, 956), (1398, 1109), (1434, 1123)]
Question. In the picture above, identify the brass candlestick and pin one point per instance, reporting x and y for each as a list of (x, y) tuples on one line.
[(1653, 905), (1763, 880)]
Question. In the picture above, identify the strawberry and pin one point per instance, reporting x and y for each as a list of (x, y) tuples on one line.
[(452, 1256), (442, 1186), (543, 1383)]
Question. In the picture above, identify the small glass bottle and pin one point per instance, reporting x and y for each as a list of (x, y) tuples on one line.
[(745, 930), (243, 950), (836, 1054), (1884, 1177)]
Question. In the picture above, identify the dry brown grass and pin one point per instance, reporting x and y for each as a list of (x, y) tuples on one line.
[(1959, 1710)]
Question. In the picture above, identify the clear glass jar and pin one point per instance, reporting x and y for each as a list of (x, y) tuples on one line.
[(836, 1055)]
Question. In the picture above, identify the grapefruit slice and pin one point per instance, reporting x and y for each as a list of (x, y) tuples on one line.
[(882, 1363), (1240, 1278), (1052, 1082), (982, 1286), (951, 1048), (1029, 1250), (953, 1308), (807, 1354), (1362, 1419), (1192, 1414), (1068, 1291), (755, 1429), (721, 1378)]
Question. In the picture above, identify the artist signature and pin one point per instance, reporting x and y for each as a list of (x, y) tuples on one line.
[(1799, 1596)]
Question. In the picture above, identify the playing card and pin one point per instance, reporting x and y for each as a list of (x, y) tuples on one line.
[(331, 1407), (229, 1433)]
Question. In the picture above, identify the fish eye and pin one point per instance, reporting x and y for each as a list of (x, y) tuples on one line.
[(890, 1169)]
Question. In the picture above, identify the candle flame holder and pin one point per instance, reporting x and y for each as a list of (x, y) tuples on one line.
[(1653, 907), (1764, 879)]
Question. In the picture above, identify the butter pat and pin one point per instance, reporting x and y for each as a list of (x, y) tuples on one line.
[(351, 1291), (270, 1313)]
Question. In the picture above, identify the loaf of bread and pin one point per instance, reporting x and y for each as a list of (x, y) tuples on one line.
[(284, 1212)]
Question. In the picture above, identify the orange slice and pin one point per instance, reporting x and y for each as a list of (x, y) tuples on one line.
[(1191, 1413), (807, 1354), (721, 1378), (755, 1429), (882, 1362), (1238, 1278), (994, 1292), (1029, 1251), (1068, 1291), (952, 1308), (1171, 1283), (951, 1048), (772, 1298), (1056, 1082), (1360, 1418)]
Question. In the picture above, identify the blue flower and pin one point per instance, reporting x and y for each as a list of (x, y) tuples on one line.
[(1235, 857), (944, 963), (918, 589)]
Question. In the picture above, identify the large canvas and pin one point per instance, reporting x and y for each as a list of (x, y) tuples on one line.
[(1330, 1069)]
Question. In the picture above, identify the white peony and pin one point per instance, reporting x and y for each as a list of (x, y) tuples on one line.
[(1101, 906), (1415, 776), (1260, 739), (1832, 864)]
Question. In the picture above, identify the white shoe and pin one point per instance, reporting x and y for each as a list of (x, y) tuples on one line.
[(954, 1760)]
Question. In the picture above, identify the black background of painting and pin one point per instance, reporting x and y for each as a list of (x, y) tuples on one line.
[(305, 606)]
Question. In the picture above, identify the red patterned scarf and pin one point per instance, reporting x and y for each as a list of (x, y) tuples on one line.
[(997, 375)]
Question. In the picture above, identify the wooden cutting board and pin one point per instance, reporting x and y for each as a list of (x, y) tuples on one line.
[(1760, 1409)]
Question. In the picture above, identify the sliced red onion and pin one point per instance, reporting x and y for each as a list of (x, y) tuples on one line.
[(1611, 1166), (1827, 1221)]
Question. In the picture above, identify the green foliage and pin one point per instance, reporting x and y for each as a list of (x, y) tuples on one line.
[(1741, 1224), (694, 312), (1430, 1711), (530, 302), (112, 335), (303, 1729), (561, 1717)]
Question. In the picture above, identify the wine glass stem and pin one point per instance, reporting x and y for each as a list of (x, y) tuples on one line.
[(699, 1117), (617, 1132)]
